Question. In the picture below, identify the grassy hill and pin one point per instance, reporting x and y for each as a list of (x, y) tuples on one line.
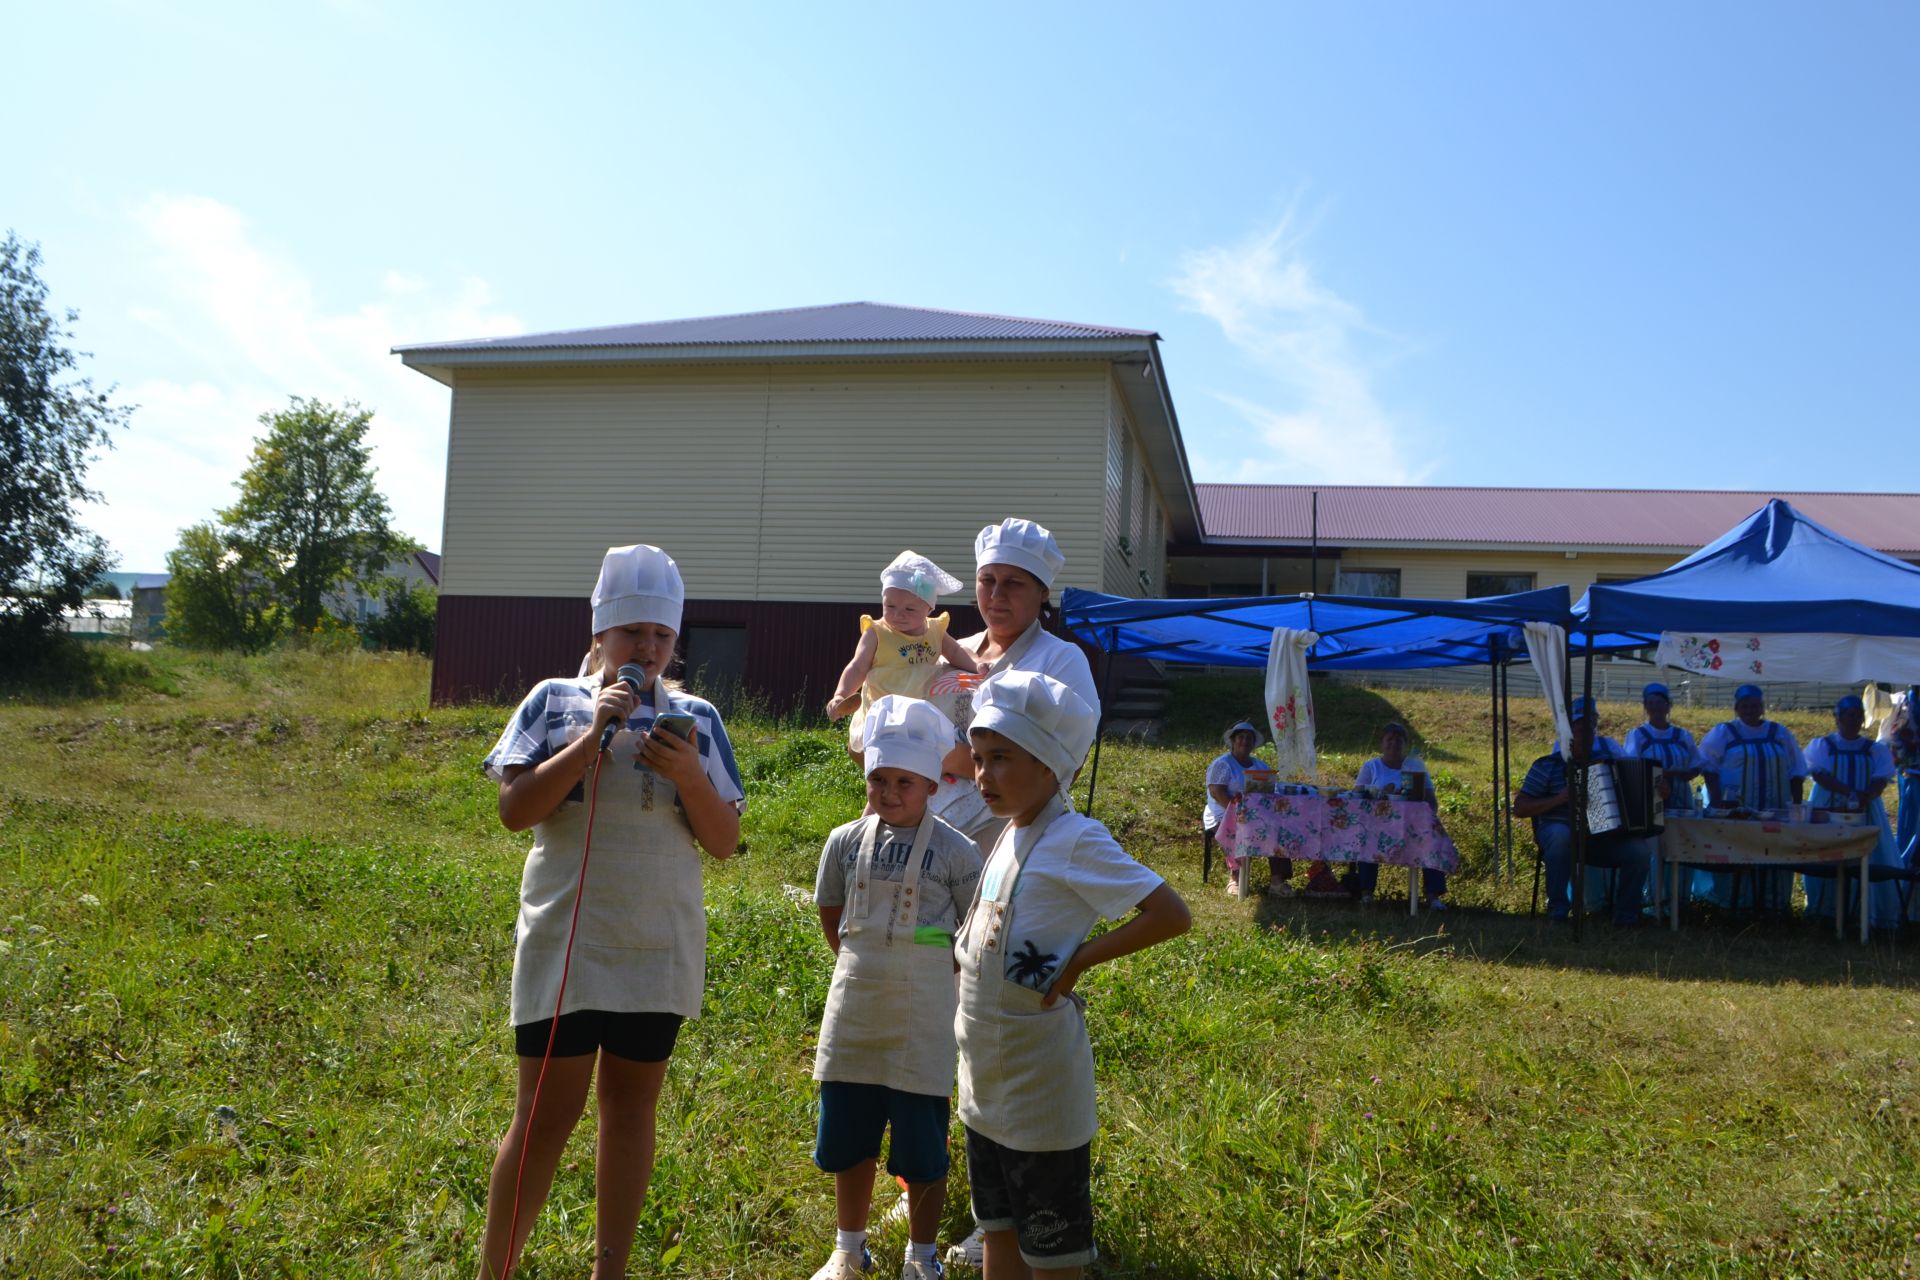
[(255, 938)]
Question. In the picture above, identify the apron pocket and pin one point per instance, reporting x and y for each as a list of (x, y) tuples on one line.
[(866, 1019)]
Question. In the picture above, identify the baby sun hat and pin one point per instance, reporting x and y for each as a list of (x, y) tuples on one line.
[(906, 733), (640, 583), (1040, 714), (1022, 544), (911, 571)]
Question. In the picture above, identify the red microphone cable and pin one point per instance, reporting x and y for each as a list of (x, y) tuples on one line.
[(566, 963)]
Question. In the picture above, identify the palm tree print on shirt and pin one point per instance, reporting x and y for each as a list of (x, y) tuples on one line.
[(1030, 968)]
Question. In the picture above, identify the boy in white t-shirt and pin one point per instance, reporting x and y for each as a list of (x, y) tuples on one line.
[(1026, 1066), (891, 889)]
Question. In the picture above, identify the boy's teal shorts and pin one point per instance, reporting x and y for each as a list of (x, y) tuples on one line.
[(854, 1116)]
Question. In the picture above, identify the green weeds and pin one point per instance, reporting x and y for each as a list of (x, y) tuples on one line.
[(255, 941)]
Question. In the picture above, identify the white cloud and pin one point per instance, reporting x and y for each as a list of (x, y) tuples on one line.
[(229, 327), (1324, 422)]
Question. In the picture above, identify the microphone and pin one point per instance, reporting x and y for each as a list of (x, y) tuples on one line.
[(634, 676)]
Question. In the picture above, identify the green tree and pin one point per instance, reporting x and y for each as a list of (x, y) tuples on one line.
[(406, 618), (310, 518), (51, 427), (217, 595)]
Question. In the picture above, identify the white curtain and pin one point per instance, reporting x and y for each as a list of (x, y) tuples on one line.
[(1290, 703), (1547, 650), (1826, 657)]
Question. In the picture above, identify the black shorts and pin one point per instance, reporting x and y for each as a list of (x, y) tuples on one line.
[(637, 1037), (1045, 1197)]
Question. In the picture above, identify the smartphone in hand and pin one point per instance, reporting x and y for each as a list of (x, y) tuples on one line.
[(678, 723)]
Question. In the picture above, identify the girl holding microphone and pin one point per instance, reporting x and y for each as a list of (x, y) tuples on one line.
[(610, 949)]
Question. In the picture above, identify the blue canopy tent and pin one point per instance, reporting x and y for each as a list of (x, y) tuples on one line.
[(1776, 572), (1365, 633), (1237, 631)]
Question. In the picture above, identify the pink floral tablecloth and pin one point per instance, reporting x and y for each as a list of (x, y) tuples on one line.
[(1328, 828)]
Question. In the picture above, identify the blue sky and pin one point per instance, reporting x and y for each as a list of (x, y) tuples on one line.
[(1627, 245)]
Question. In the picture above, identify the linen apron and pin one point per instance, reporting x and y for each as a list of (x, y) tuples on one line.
[(1670, 754), (959, 802), (889, 1017), (1026, 1072), (1852, 764), (1754, 773), (1906, 766), (641, 944)]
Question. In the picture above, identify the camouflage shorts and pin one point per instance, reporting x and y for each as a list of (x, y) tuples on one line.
[(1044, 1196)]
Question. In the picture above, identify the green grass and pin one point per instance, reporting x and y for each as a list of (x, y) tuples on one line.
[(255, 939)]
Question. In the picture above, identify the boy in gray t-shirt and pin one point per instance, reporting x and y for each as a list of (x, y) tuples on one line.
[(891, 889)]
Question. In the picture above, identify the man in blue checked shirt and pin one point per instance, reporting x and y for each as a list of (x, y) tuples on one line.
[(1543, 796)]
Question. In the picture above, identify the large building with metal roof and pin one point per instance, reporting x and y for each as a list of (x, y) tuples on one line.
[(784, 457)]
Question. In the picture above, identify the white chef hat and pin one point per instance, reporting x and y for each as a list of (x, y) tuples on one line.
[(906, 733), (637, 584), (1022, 544), (911, 571), (1040, 714)]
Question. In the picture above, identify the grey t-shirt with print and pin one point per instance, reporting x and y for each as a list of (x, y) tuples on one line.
[(948, 873)]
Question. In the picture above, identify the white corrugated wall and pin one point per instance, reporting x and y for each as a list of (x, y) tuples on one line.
[(767, 482)]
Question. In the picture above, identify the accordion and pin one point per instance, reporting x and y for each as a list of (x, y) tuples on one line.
[(1623, 798)]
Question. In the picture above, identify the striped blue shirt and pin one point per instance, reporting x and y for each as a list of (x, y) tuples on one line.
[(1547, 776), (556, 712)]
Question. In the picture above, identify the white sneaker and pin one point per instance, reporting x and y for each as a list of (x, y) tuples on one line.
[(842, 1265), (1233, 887), (918, 1270), (1366, 899), (1280, 889), (971, 1252)]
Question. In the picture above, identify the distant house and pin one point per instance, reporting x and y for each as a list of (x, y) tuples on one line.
[(149, 597), (783, 457), (361, 599), (1440, 543)]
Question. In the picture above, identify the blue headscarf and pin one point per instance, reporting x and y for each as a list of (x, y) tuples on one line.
[(1850, 703), (1748, 691), (1655, 687)]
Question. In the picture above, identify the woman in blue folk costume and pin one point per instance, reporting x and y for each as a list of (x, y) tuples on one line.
[(1849, 771), (1677, 754), (1754, 763), (1904, 739)]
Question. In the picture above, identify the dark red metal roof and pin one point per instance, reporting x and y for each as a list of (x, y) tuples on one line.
[(840, 322), (1667, 519)]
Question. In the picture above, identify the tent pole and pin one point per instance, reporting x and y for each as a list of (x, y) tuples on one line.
[(1106, 696), (1506, 759), (1313, 571), (1493, 726), (1579, 797)]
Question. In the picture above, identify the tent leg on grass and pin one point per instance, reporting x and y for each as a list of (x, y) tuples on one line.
[(1106, 696)]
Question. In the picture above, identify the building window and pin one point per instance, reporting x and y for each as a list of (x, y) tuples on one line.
[(1367, 582), (1498, 584)]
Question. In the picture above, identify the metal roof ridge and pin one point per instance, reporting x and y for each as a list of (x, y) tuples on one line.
[(1521, 488), (628, 326)]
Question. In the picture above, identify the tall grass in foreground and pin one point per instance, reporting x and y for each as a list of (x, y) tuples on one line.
[(254, 945)]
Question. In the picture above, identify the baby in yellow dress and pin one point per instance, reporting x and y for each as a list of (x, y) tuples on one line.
[(898, 651)]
